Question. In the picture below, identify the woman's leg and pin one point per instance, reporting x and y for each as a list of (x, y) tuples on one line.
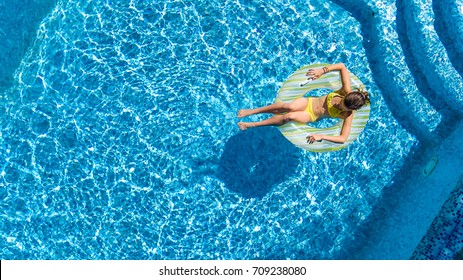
[(299, 116), (277, 108)]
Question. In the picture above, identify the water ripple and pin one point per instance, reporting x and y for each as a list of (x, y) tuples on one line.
[(121, 123)]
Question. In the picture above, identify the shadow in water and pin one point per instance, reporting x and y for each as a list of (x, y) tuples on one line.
[(257, 159)]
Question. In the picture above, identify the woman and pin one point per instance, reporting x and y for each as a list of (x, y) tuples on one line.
[(338, 104)]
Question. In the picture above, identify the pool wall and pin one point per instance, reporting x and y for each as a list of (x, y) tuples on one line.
[(444, 238)]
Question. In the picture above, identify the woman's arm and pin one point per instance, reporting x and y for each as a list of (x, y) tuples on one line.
[(345, 131), (345, 76)]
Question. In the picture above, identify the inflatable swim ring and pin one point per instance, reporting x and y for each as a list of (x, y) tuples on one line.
[(296, 86)]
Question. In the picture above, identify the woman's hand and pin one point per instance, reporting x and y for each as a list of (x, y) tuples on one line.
[(315, 73), (314, 137)]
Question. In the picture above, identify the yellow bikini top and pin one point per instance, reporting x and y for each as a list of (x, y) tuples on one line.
[(332, 111)]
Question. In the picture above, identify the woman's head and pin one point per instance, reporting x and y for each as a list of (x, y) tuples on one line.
[(356, 99)]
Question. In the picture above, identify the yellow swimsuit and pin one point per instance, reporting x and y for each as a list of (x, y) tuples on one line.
[(309, 109), (332, 111)]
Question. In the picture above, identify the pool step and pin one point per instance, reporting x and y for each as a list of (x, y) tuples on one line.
[(449, 27), (392, 77), (428, 55), (417, 72)]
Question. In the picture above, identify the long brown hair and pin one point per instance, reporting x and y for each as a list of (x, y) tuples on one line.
[(356, 99)]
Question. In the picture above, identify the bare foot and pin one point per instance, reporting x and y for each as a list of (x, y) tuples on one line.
[(244, 125), (244, 113)]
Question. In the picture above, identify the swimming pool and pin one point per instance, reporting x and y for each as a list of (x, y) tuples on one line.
[(119, 136)]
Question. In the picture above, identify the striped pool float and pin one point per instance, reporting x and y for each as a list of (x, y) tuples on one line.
[(297, 132)]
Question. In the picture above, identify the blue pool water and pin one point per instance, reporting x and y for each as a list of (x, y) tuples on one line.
[(119, 136)]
